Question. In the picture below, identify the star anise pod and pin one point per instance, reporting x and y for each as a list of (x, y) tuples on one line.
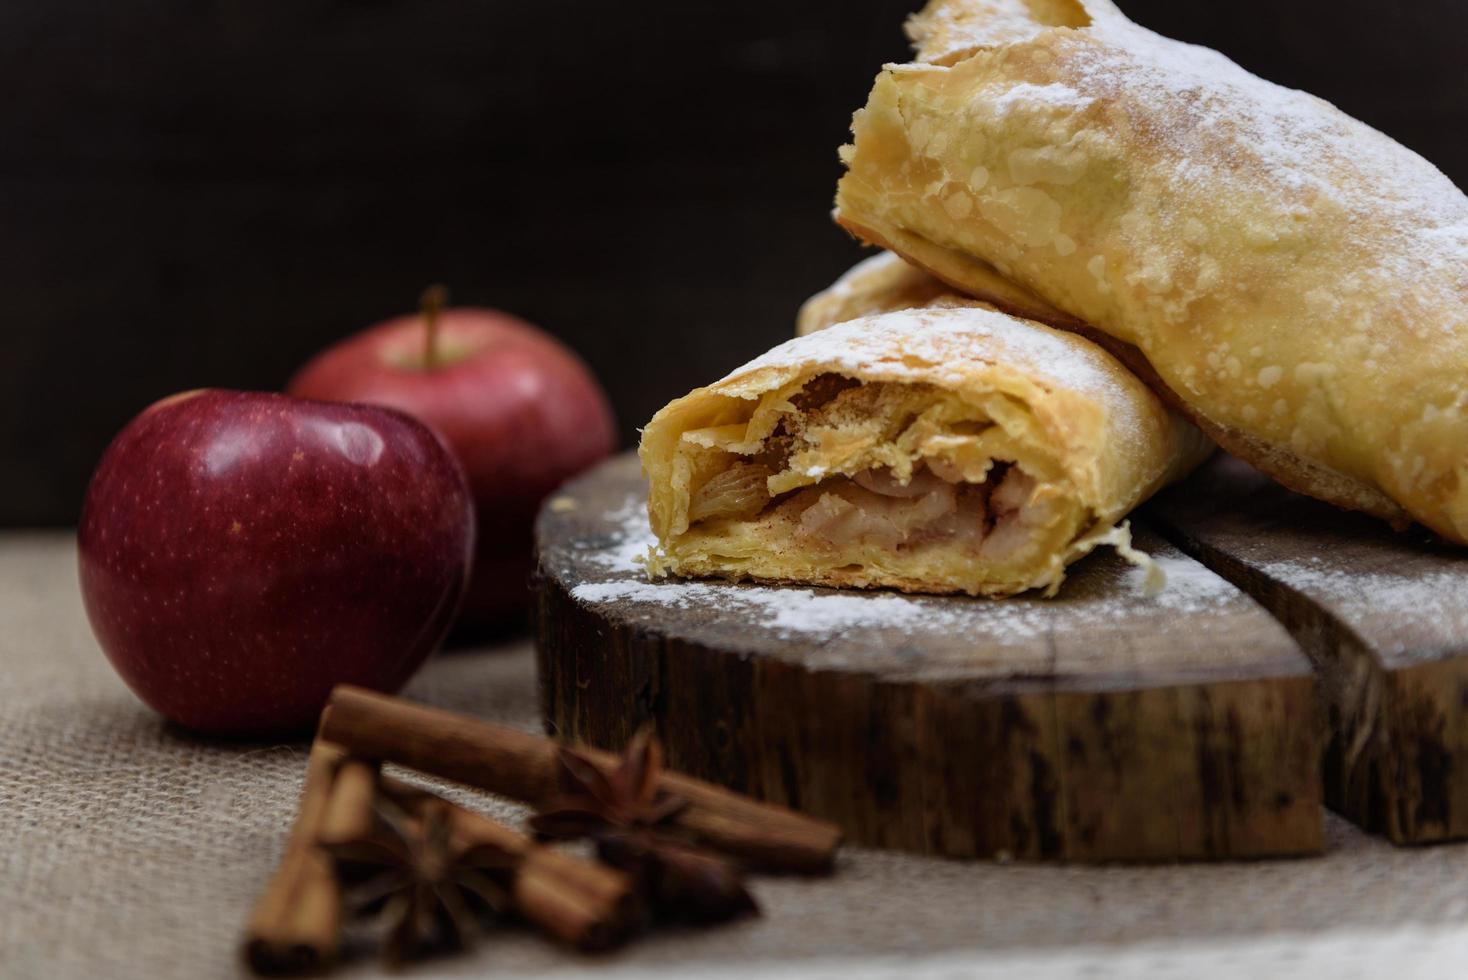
[(626, 815), (680, 881), (592, 800), (426, 891)]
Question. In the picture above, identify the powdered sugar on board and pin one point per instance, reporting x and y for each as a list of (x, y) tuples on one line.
[(1417, 608), (788, 610), (1104, 594), (632, 538)]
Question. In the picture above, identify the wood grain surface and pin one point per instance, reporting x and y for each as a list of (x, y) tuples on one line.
[(1384, 617), (1103, 725)]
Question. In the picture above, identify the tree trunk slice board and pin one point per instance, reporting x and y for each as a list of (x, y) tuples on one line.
[(1384, 616), (1098, 726)]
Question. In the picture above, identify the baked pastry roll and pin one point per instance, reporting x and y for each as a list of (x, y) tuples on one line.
[(886, 282), (880, 284), (1293, 280), (928, 450)]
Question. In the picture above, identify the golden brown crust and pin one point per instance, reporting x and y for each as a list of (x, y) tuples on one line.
[(1295, 472), (966, 276), (880, 284)]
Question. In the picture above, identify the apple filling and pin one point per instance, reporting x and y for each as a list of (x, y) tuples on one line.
[(993, 519), (879, 482)]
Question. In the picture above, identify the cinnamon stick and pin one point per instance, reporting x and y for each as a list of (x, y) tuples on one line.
[(526, 767), (349, 814), (585, 905), (295, 926)]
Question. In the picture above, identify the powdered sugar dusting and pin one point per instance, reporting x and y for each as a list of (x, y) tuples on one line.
[(1224, 127), (1415, 608), (1027, 96), (785, 611), (632, 541), (1215, 115), (1191, 588), (1410, 592), (1109, 593), (1224, 132)]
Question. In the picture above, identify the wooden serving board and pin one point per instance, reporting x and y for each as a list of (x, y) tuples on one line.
[(1101, 725), (1384, 617)]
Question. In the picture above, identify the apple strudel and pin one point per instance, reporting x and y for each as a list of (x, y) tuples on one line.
[(929, 450), (1291, 279)]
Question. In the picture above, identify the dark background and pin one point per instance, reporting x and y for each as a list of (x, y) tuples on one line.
[(206, 193)]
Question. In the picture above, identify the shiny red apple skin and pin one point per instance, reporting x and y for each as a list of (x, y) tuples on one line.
[(521, 411), (241, 553)]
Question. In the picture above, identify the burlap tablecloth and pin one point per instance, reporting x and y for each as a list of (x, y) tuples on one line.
[(133, 850)]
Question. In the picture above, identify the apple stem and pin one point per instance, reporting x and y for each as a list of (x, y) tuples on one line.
[(432, 303)]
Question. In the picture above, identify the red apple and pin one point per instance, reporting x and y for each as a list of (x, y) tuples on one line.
[(520, 410), (242, 553)]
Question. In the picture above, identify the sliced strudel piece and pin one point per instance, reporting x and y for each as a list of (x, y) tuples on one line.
[(930, 450)]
